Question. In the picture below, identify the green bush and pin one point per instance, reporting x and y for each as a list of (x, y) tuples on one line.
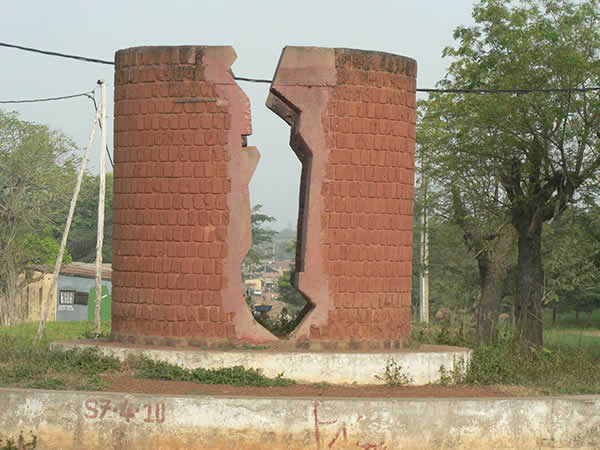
[(510, 361), (235, 376)]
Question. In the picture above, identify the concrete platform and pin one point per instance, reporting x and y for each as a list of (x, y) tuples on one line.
[(422, 365), (99, 420)]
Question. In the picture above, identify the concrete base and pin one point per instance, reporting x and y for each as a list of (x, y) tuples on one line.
[(97, 420), (422, 365)]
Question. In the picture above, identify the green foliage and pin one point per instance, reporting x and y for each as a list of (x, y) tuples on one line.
[(42, 250), (20, 444), (287, 292), (281, 326), (52, 384), (394, 375), (262, 237), (556, 369), (36, 179), (83, 234), (572, 260), (461, 335), (235, 376), (567, 364), (453, 273), (454, 375), (522, 158)]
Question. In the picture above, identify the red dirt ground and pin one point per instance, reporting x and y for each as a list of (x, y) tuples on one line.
[(130, 384)]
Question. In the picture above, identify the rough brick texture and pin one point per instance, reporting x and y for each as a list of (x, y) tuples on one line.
[(181, 203), (353, 117)]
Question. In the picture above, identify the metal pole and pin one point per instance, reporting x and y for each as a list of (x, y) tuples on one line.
[(100, 234), (424, 278)]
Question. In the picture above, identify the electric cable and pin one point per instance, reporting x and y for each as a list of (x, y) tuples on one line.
[(47, 99), (267, 81), (62, 55), (93, 99)]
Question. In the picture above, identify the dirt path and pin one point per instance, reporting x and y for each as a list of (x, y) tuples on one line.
[(128, 383)]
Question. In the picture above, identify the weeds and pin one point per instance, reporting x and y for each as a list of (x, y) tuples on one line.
[(42, 368), (21, 444), (394, 375), (442, 335), (235, 376), (553, 370), (455, 375), (568, 364), (280, 326)]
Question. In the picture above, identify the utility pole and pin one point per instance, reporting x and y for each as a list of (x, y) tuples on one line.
[(100, 234), (48, 304), (424, 278)]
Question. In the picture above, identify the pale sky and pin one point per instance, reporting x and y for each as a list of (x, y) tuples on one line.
[(258, 30)]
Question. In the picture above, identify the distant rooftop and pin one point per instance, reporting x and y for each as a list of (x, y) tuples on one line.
[(79, 269)]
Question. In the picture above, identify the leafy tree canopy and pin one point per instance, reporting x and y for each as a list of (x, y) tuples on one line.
[(533, 154), (36, 179)]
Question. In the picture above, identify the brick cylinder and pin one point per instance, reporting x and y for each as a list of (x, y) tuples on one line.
[(181, 203), (353, 116)]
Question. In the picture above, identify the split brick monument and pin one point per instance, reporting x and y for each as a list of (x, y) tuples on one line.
[(182, 210)]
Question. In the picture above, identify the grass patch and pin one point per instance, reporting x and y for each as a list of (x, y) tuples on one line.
[(25, 365), (235, 376), (552, 369), (54, 331), (569, 362), (567, 320), (573, 340)]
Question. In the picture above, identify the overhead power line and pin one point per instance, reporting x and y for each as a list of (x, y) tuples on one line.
[(93, 98), (509, 91), (253, 80), (62, 55), (47, 99), (267, 81)]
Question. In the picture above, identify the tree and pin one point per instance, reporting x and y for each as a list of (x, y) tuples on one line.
[(36, 168), (543, 147), (572, 261), (468, 194), (287, 291), (82, 236), (261, 237)]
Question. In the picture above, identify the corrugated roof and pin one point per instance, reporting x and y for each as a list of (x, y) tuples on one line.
[(79, 269)]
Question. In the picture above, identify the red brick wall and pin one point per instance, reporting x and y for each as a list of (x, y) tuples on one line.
[(175, 152), (369, 191), (181, 202), (359, 209)]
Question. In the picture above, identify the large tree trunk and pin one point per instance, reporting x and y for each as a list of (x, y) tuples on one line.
[(530, 281), (493, 270)]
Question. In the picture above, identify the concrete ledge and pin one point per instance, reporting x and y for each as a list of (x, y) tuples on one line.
[(96, 420), (305, 367)]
